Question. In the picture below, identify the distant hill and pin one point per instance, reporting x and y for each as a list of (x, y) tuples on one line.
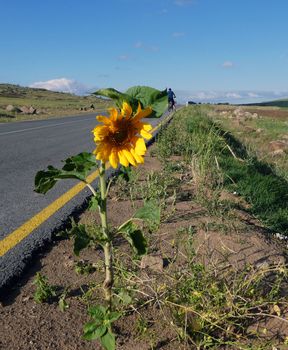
[(275, 103), (11, 90), (15, 100)]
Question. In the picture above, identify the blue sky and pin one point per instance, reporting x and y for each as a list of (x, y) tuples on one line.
[(208, 50)]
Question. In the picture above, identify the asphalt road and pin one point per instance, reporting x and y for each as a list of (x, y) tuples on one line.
[(25, 148)]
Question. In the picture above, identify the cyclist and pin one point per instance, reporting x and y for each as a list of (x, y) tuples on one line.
[(171, 101)]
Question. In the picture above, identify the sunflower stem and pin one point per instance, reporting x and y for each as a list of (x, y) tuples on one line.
[(108, 256)]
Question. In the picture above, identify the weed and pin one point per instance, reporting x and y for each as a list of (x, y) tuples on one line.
[(214, 310), (101, 326), (84, 267), (62, 303), (141, 326), (88, 293), (44, 292)]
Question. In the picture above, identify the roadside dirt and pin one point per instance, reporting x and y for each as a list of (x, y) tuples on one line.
[(218, 242)]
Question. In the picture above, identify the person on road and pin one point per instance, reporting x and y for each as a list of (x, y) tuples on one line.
[(171, 101)]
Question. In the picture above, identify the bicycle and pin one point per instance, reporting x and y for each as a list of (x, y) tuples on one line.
[(171, 106)]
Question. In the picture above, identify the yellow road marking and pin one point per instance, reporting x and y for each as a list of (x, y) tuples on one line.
[(24, 230)]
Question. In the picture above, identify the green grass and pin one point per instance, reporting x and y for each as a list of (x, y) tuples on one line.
[(49, 103), (275, 128), (219, 160)]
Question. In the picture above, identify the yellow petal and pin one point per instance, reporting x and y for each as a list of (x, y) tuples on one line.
[(122, 159), (145, 134), (126, 109), (103, 119), (139, 109), (140, 147), (113, 159), (100, 132), (142, 113), (103, 151), (146, 126), (99, 155), (129, 156), (113, 114), (139, 159)]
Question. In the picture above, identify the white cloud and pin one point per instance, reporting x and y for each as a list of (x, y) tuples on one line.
[(233, 95), (228, 64), (177, 34), (62, 85), (253, 94), (228, 96), (148, 48)]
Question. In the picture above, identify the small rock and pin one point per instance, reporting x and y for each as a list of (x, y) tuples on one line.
[(277, 145), (238, 112), (262, 264), (152, 262), (10, 108), (24, 110), (32, 110), (26, 298), (247, 115), (278, 152)]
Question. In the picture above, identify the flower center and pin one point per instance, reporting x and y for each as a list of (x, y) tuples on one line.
[(120, 136)]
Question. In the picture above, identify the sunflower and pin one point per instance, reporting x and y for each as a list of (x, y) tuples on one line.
[(121, 137)]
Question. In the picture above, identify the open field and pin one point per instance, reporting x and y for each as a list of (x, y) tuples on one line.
[(263, 130), (47, 104), (215, 276)]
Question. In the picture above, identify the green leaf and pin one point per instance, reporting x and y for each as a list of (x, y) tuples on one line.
[(118, 97), (135, 237), (150, 212), (93, 331), (81, 238), (138, 242), (89, 327), (75, 167), (97, 312), (124, 297), (108, 341), (149, 96), (45, 180), (113, 316), (82, 163), (95, 202)]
